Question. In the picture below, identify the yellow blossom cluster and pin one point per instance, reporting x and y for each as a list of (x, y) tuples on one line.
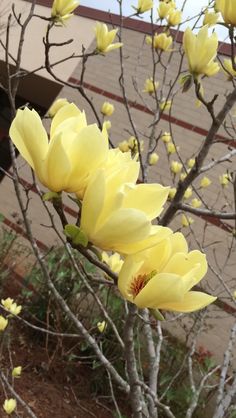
[(167, 10), (117, 214)]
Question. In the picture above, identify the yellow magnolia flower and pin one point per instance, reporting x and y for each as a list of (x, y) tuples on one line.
[(174, 17), (105, 38), (11, 306), (172, 193), (114, 261), (171, 148), (153, 158), (188, 193), (9, 406), (166, 137), (150, 86), (144, 6), (227, 8), (57, 105), (225, 179), (211, 18), (107, 109), (101, 326), (163, 9), (3, 323), (205, 182), (117, 214), (165, 105), (191, 162), (124, 146), (186, 220), (162, 277), (176, 167), (74, 151), (228, 68), (16, 372), (62, 10), (161, 41), (196, 203), (201, 51)]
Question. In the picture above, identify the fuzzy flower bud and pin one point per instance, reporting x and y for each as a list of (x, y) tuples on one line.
[(16, 372), (9, 405), (205, 182), (188, 193), (175, 167), (196, 203), (166, 137), (153, 158), (107, 109), (150, 86), (3, 323), (186, 220)]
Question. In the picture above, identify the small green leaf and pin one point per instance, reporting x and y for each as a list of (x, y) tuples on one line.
[(2, 217), (157, 314), (77, 236), (50, 196)]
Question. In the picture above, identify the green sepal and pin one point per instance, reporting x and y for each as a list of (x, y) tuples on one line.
[(77, 236), (50, 196), (186, 82), (157, 314)]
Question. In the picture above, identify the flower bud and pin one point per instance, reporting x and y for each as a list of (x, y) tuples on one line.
[(107, 109)]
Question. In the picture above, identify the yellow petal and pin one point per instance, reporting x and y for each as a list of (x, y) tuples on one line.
[(191, 302), (128, 271), (160, 289), (57, 165), (93, 203), (149, 198), (181, 264), (66, 112), (29, 137)]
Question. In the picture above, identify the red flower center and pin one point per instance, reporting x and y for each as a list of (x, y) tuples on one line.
[(138, 283)]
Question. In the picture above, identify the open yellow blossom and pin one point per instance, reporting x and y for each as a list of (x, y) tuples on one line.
[(11, 306), (227, 8), (172, 193), (205, 182), (188, 193), (186, 220), (117, 214), (166, 137), (150, 86), (16, 372), (225, 179), (114, 261), (174, 17), (163, 9), (196, 203), (211, 18), (9, 406), (191, 162), (105, 38), (57, 105), (162, 277), (74, 151), (153, 158), (176, 167), (201, 51), (62, 10), (107, 109), (3, 323), (144, 6), (161, 41), (228, 68)]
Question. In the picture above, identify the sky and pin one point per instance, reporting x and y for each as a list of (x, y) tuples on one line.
[(192, 8)]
